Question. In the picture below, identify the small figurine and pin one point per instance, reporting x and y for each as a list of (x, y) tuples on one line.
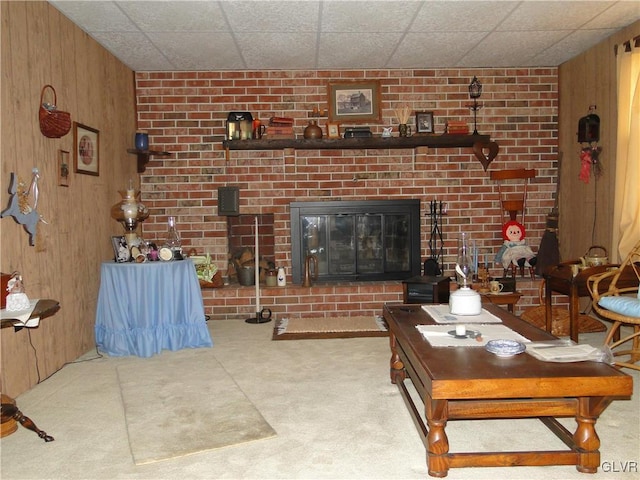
[(514, 251), (17, 300)]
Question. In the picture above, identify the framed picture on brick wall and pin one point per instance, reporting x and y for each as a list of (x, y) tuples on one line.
[(354, 101)]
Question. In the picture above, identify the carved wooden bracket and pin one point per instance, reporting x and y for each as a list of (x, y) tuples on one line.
[(485, 152)]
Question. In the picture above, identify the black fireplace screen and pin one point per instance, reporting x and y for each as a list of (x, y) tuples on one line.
[(359, 240)]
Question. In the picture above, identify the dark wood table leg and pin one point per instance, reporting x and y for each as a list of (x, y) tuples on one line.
[(574, 308), (586, 438), (437, 441), (396, 369), (547, 307)]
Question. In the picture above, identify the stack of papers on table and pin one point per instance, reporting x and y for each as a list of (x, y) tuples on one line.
[(562, 351), (439, 336), (442, 314)]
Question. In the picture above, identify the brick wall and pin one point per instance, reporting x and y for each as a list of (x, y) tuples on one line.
[(185, 113)]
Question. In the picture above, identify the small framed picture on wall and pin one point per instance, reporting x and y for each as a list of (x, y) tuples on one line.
[(424, 122), (333, 130), (64, 169), (86, 145)]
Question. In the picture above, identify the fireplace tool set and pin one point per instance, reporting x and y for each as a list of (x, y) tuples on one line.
[(432, 265)]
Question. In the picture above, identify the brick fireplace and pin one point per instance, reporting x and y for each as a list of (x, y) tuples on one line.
[(184, 113)]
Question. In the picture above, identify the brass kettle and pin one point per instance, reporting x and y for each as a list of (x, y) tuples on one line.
[(310, 261)]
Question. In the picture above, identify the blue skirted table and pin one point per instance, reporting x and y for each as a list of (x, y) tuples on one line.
[(144, 308)]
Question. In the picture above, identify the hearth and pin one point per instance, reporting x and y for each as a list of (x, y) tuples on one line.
[(369, 240)]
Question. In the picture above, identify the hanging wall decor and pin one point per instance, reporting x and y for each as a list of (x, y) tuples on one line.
[(485, 152), (86, 141), (589, 127), (589, 133), (54, 123), (590, 163), (19, 208)]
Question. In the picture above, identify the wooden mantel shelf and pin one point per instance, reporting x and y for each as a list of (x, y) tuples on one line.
[(433, 141)]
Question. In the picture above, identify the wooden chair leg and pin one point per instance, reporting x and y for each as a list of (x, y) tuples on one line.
[(612, 334), (635, 355)]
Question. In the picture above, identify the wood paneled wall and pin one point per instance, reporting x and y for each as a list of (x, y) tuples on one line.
[(585, 209), (40, 46)]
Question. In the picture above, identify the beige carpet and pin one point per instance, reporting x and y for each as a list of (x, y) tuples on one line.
[(337, 414), (173, 409), (329, 327)]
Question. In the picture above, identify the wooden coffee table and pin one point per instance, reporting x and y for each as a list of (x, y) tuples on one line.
[(466, 383)]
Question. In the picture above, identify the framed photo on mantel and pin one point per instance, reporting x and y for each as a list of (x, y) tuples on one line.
[(424, 122), (354, 101)]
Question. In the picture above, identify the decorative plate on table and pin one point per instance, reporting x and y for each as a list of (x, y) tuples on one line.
[(505, 348)]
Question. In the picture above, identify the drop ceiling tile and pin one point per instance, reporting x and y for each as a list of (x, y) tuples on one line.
[(96, 16), (617, 15), (269, 16), (373, 16), (554, 15), (355, 50), (502, 49), (570, 46), (175, 16), (133, 49), (261, 51), (199, 51), (444, 16), (373, 19), (433, 50)]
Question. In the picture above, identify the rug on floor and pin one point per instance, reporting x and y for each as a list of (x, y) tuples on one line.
[(184, 405), (329, 327), (560, 324)]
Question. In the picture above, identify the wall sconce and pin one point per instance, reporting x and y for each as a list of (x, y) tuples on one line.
[(129, 212), (475, 90)]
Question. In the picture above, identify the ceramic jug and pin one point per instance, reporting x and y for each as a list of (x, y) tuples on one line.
[(312, 130)]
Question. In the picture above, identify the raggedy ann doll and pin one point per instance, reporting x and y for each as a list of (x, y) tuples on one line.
[(514, 250)]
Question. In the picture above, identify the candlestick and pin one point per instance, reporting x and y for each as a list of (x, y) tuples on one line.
[(257, 272), (260, 317)]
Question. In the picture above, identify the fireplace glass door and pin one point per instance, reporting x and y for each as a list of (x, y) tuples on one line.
[(377, 240)]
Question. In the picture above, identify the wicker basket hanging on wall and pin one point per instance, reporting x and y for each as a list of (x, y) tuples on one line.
[(54, 123)]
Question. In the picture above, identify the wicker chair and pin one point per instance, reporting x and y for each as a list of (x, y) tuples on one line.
[(616, 297)]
